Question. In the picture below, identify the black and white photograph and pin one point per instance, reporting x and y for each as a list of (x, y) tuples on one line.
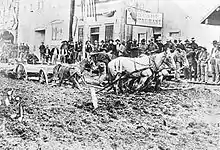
[(109, 74)]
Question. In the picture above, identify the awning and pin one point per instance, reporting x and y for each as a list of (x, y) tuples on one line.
[(40, 29), (213, 17)]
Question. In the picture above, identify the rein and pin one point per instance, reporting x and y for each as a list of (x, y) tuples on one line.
[(152, 59)]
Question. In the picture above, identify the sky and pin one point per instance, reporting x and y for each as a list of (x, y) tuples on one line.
[(197, 10)]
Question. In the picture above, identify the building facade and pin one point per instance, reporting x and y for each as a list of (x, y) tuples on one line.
[(110, 21), (48, 21), (9, 20), (43, 21)]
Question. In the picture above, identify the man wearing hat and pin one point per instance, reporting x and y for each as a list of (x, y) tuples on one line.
[(180, 45), (194, 45), (142, 47), (213, 60), (160, 44), (42, 49), (202, 64), (103, 46), (169, 45), (152, 47)]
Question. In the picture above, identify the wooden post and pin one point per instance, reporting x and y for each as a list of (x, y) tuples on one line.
[(72, 13)]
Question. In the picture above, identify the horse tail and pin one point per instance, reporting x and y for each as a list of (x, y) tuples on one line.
[(56, 71)]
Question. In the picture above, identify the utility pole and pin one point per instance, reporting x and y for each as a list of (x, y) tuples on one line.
[(17, 17), (158, 5), (72, 13)]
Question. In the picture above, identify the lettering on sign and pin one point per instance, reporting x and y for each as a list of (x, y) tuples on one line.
[(144, 18)]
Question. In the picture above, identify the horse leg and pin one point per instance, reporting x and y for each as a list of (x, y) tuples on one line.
[(158, 83), (141, 84), (116, 85), (83, 80), (61, 81), (146, 73)]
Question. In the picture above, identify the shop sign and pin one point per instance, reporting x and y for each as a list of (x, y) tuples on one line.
[(143, 18)]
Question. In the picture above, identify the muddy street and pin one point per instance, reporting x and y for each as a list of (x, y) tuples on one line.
[(64, 118)]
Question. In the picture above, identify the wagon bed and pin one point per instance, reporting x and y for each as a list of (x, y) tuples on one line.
[(41, 72)]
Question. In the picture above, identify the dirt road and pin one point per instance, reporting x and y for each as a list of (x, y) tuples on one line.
[(63, 118)]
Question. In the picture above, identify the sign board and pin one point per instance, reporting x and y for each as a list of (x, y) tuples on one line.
[(143, 18)]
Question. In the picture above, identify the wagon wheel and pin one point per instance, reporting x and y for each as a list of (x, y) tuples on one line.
[(20, 72), (43, 77)]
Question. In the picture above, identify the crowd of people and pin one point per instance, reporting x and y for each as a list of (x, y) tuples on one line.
[(69, 52), (23, 50), (197, 56)]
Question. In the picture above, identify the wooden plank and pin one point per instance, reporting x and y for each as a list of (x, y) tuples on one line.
[(208, 83)]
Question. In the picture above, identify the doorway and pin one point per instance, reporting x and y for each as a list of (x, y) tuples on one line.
[(39, 36), (94, 34)]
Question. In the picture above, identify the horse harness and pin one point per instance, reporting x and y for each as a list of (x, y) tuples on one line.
[(152, 64)]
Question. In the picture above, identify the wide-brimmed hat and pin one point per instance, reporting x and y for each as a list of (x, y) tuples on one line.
[(143, 40), (186, 40), (169, 38), (193, 39), (64, 42), (215, 42), (159, 38), (117, 40)]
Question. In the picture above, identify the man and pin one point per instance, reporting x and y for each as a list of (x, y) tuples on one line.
[(213, 60), (194, 45), (175, 42), (152, 47), (103, 46), (71, 52), (160, 45), (54, 53), (112, 49), (42, 51), (120, 48), (63, 51), (96, 47), (202, 65), (217, 66), (169, 45), (187, 44), (191, 56), (79, 51), (181, 45), (142, 47), (88, 48), (47, 54)]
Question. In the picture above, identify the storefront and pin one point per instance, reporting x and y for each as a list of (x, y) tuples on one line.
[(114, 20)]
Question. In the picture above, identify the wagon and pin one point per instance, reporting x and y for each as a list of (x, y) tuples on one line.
[(41, 72)]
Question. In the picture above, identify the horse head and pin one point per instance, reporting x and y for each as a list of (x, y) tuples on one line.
[(87, 64), (169, 59), (165, 60)]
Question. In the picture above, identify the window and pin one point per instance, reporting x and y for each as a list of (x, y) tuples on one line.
[(175, 34), (109, 32), (80, 34), (95, 30), (57, 31)]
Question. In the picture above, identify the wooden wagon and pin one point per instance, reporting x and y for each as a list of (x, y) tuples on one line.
[(41, 72)]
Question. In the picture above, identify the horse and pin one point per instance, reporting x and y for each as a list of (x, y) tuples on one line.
[(72, 72), (146, 64), (101, 60)]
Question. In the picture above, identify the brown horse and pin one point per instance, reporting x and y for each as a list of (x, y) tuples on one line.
[(72, 73)]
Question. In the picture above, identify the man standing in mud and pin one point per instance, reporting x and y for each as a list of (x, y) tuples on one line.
[(202, 64), (213, 60), (42, 51)]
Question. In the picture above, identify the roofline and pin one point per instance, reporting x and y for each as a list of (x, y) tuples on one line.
[(208, 14)]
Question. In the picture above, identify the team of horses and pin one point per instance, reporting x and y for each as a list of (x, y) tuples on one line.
[(124, 74)]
